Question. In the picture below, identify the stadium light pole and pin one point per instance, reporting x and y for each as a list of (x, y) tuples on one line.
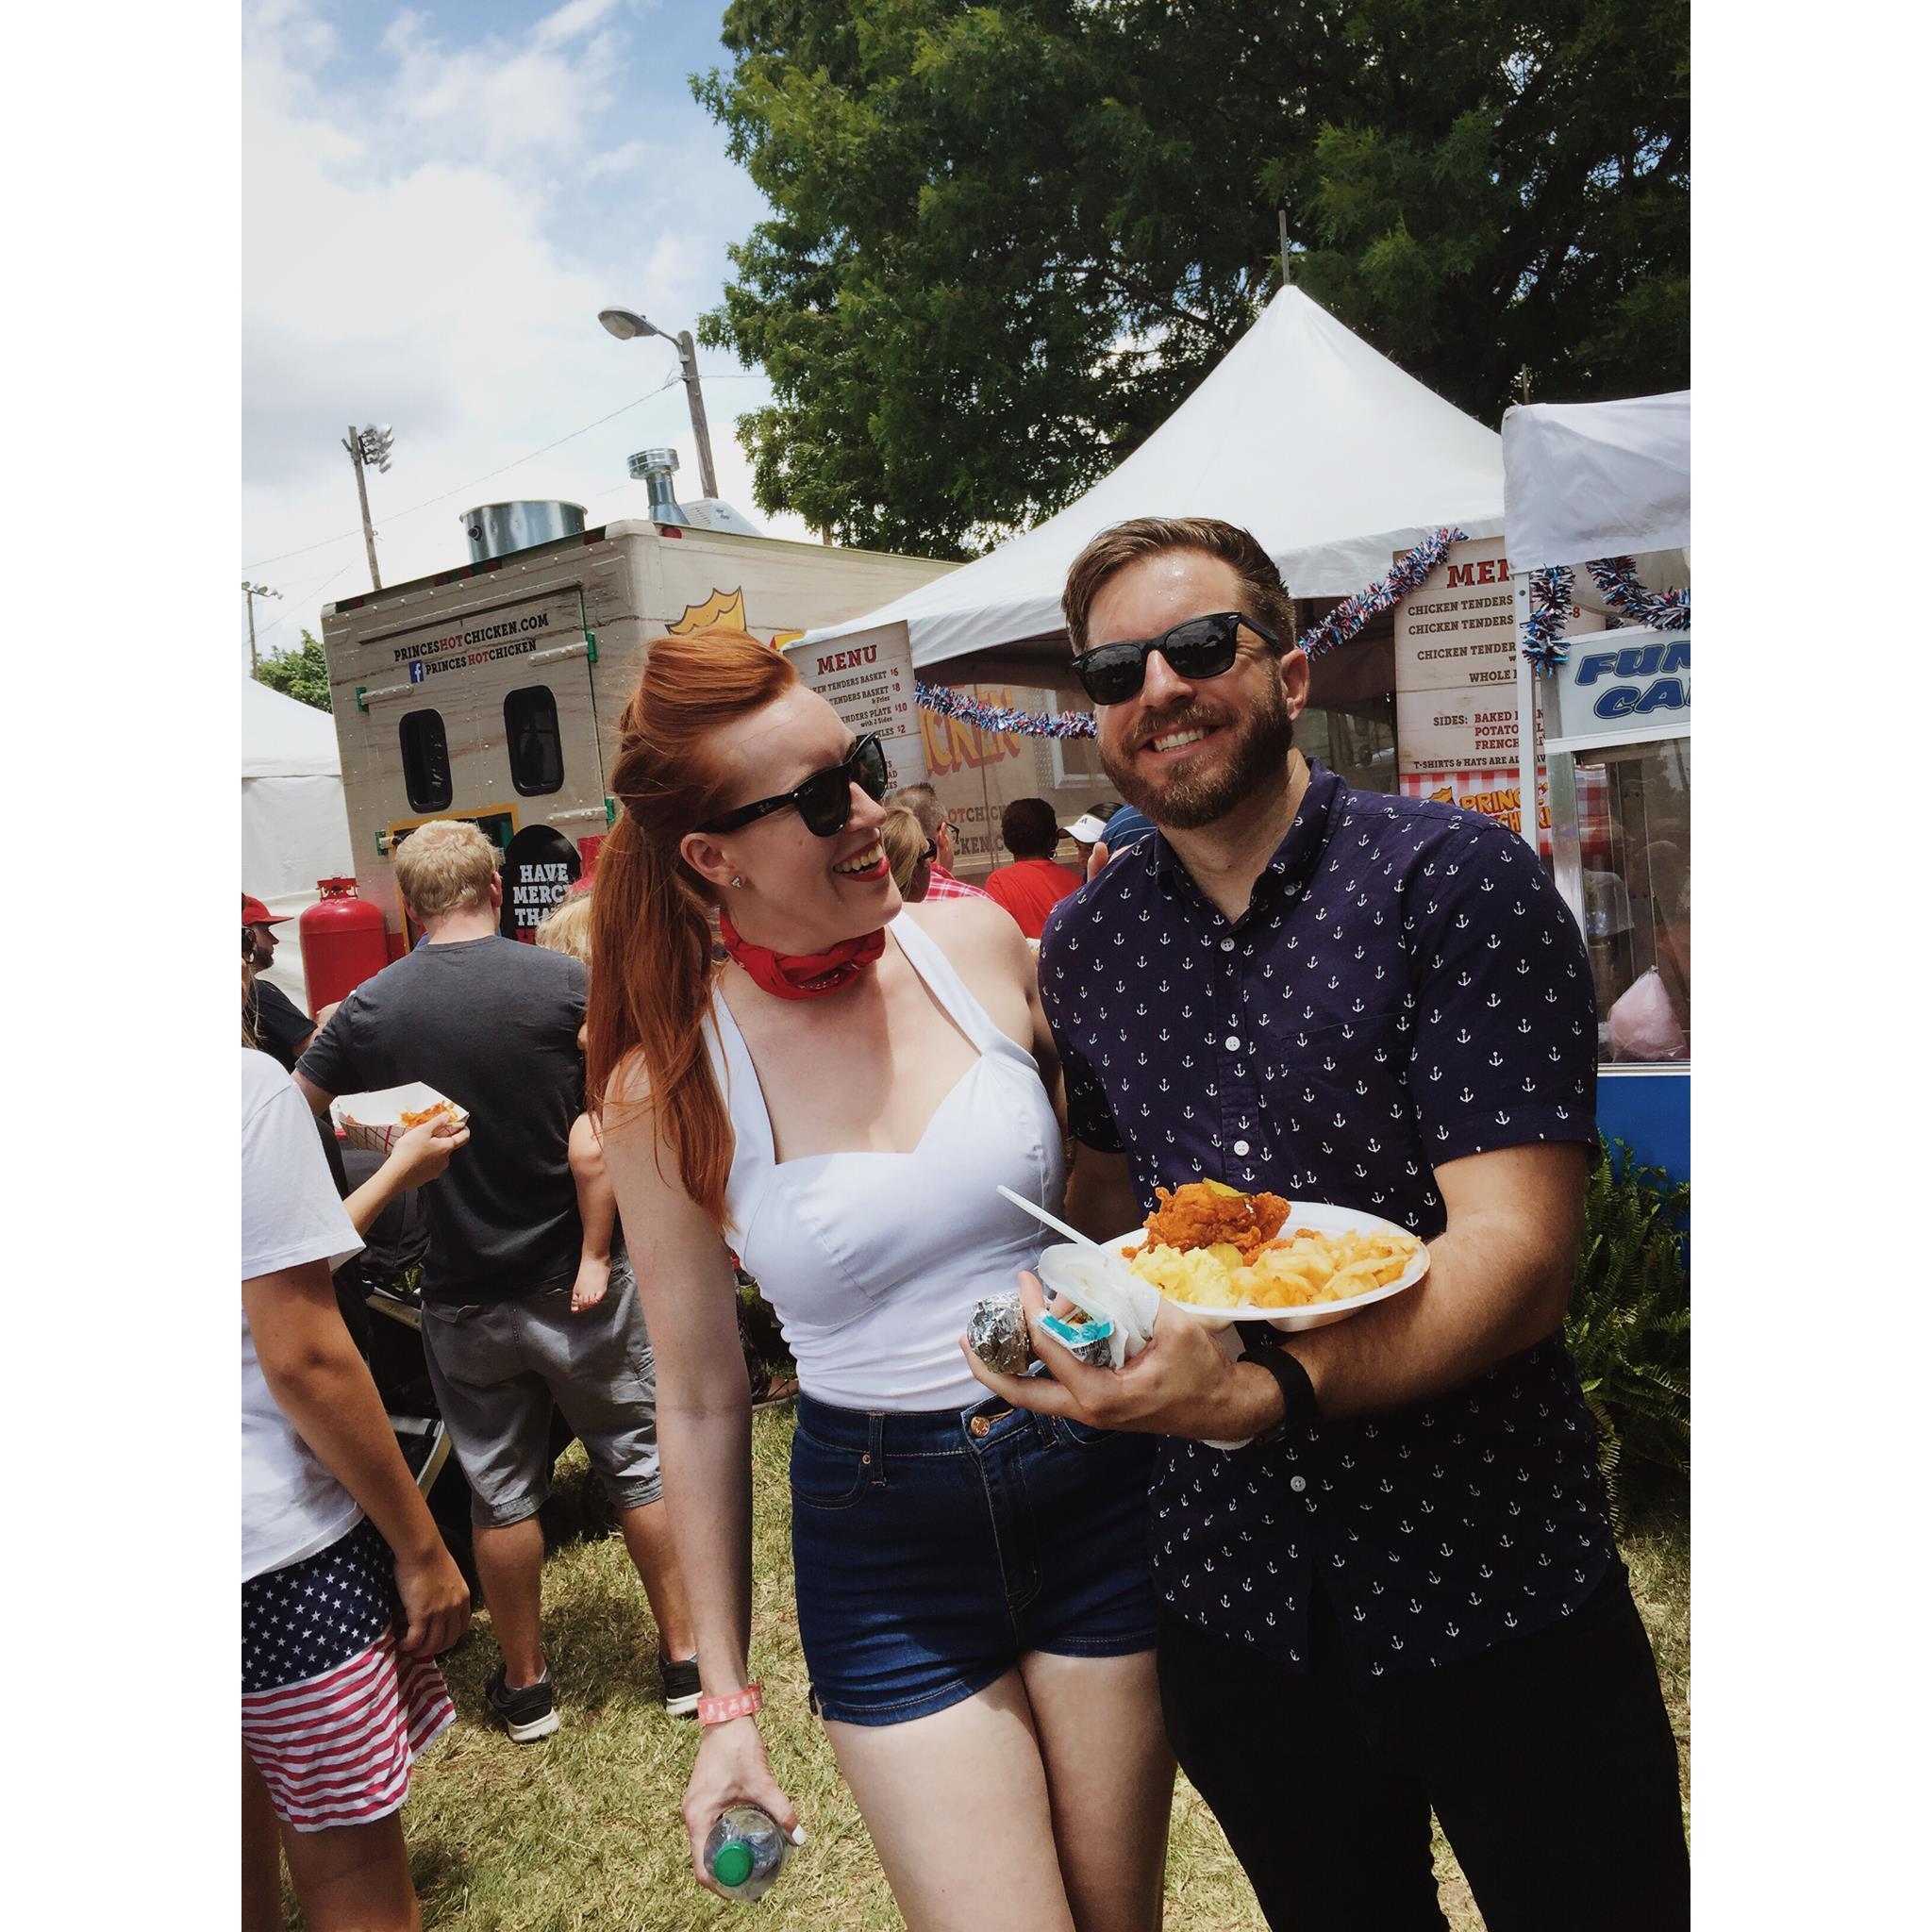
[(368, 446), (626, 325), (252, 592)]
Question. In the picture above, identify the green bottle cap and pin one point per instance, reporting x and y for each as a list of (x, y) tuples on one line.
[(732, 1866)]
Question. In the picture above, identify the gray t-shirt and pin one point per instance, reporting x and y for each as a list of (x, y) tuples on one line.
[(494, 1025)]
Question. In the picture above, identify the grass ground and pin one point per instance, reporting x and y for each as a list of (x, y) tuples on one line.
[(581, 1833)]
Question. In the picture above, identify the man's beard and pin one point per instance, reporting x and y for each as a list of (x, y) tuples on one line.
[(1192, 798)]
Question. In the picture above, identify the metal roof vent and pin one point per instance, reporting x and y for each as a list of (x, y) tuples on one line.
[(496, 529), (655, 469)]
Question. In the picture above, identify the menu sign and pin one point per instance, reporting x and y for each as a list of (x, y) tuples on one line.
[(1458, 631), (1437, 732), (868, 680), (1456, 669)]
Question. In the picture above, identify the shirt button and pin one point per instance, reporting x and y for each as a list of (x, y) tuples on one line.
[(1297, 1483), (1227, 945), (1240, 1147), (1232, 1045)]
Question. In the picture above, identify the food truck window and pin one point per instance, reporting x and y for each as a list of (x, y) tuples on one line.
[(1634, 818), (535, 745), (426, 760)]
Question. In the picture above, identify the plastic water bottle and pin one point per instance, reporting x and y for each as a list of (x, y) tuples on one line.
[(744, 1851)]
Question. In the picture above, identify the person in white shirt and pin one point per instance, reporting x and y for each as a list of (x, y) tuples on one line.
[(839, 1103), (347, 1593)]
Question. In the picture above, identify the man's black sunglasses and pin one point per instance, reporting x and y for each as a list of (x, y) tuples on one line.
[(824, 800), (1200, 647)]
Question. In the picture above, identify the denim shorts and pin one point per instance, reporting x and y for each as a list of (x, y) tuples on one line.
[(933, 1550)]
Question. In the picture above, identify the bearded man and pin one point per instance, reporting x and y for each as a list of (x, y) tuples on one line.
[(1403, 1593)]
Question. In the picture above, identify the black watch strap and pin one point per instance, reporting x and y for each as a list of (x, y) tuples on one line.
[(1298, 1404)]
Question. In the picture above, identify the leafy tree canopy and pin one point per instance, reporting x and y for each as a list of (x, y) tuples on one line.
[(1007, 241), (301, 673)]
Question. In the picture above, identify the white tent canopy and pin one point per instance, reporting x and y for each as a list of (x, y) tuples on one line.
[(1303, 434), (295, 824), (1585, 481), (1590, 480)]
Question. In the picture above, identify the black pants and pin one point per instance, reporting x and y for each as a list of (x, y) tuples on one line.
[(1549, 1760)]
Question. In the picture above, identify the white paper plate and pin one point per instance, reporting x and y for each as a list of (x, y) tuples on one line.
[(1324, 1219)]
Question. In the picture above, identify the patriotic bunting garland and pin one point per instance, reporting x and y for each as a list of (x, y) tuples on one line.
[(1550, 591), (1352, 613), (949, 703), (1616, 579)]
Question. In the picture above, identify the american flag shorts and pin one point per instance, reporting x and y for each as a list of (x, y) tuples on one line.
[(333, 1714)]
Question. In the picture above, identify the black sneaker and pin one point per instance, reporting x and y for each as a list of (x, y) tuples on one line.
[(679, 1685), (528, 1713)]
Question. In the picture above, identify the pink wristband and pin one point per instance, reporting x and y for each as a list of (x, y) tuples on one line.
[(721, 1710)]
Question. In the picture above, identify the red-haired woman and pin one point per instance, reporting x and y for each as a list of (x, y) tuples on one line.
[(841, 1100)]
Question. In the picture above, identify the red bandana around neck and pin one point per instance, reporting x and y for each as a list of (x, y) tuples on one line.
[(802, 976)]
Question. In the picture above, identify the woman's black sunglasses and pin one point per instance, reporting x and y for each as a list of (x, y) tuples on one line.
[(1200, 647), (824, 800)]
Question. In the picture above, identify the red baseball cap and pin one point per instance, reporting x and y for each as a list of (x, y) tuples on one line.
[(254, 913)]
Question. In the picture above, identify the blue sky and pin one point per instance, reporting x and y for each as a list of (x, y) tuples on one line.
[(436, 201)]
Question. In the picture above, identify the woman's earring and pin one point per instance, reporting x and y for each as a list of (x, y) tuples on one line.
[(736, 880)]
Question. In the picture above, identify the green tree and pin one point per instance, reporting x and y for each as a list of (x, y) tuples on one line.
[(1007, 241), (301, 673)]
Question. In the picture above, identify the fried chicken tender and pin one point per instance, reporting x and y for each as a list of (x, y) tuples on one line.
[(1201, 1213)]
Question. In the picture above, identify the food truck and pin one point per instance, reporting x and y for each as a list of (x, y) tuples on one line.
[(491, 692)]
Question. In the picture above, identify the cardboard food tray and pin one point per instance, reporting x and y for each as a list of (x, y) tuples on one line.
[(373, 1122)]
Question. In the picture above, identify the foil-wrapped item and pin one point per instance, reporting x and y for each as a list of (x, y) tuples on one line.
[(996, 1333)]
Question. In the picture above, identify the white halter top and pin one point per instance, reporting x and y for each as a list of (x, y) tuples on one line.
[(873, 1261)]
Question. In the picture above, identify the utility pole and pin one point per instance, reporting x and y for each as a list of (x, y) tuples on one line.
[(626, 325), (252, 593), (688, 358), (368, 446)]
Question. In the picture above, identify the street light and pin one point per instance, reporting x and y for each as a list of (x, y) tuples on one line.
[(254, 590), (626, 325), (369, 447)]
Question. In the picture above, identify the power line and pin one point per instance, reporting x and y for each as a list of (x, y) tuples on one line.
[(316, 594), (463, 489)]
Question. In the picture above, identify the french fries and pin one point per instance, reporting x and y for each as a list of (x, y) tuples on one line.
[(1297, 1270)]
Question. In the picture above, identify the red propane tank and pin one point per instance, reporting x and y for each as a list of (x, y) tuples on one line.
[(345, 940)]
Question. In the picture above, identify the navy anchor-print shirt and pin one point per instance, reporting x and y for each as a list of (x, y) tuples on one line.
[(1406, 988)]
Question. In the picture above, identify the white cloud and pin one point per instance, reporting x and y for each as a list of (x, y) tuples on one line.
[(576, 17), (530, 103), (623, 159), (428, 244)]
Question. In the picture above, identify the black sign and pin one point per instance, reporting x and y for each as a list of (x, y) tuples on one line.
[(540, 866)]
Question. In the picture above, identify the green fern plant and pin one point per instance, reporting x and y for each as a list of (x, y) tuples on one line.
[(1628, 1327)]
